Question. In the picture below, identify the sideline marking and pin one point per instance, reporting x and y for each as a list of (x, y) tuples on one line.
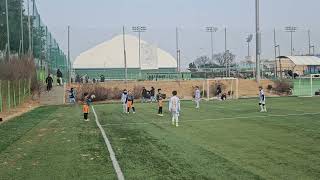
[(111, 152), (218, 119)]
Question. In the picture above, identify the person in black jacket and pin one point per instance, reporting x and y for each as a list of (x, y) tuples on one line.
[(49, 82), (144, 95), (59, 77), (152, 94)]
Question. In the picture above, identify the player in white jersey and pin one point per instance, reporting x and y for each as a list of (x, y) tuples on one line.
[(124, 96), (197, 97), (174, 108), (262, 102)]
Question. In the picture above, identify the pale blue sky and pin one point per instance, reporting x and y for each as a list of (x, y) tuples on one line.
[(95, 21)]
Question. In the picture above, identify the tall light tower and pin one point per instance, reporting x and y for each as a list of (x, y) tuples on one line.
[(211, 30), (248, 40), (291, 30), (310, 46), (178, 51), (125, 54), (258, 41), (139, 30)]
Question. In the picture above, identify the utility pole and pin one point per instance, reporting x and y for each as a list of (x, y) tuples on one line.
[(33, 24), (310, 46), (69, 63), (139, 30), (29, 27), (280, 63), (227, 59), (178, 51), (258, 41), (125, 55), (291, 30), (275, 53), (8, 30), (309, 38), (21, 26)]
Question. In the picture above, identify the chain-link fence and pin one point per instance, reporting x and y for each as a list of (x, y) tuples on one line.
[(25, 38), (13, 93)]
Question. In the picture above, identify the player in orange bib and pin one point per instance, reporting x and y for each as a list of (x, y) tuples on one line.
[(86, 105), (129, 102)]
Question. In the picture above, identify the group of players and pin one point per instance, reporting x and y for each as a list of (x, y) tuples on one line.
[(127, 100)]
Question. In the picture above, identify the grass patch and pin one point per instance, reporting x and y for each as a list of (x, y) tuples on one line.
[(53, 143), (286, 147)]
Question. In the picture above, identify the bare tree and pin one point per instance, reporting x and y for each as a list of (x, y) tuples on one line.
[(202, 61), (225, 58)]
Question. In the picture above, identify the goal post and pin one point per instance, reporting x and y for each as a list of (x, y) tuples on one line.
[(229, 86), (307, 86)]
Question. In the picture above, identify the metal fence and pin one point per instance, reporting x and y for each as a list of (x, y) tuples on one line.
[(13, 93), (29, 36), (24, 36)]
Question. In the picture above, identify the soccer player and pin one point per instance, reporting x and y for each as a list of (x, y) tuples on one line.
[(262, 102), (124, 96), (174, 108), (86, 105), (72, 96), (197, 97), (160, 102), (129, 102)]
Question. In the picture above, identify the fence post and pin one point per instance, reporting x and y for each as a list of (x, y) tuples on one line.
[(1, 96), (24, 89), (29, 86), (8, 96), (14, 94), (19, 93)]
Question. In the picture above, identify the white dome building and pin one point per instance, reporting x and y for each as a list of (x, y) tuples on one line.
[(108, 59)]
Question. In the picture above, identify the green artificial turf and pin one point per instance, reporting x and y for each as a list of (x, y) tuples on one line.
[(53, 143), (222, 140)]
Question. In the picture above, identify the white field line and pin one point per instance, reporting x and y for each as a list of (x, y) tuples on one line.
[(218, 119), (115, 163)]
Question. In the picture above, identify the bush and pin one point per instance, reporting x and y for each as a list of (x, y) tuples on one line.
[(137, 90), (102, 93), (283, 87), (20, 69)]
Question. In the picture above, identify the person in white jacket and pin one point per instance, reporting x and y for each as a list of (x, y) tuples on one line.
[(124, 96), (174, 108), (197, 97)]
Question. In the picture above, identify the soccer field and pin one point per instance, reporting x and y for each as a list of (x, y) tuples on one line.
[(222, 140)]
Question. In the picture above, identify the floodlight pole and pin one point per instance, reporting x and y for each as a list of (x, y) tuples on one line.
[(211, 30), (280, 64), (248, 49), (275, 53), (139, 30), (258, 43), (225, 51), (291, 30), (125, 55), (69, 63), (178, 51), (8, 29), (140, 72), (310, 46)]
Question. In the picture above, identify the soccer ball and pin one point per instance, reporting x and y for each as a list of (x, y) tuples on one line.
[(93, 96)]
